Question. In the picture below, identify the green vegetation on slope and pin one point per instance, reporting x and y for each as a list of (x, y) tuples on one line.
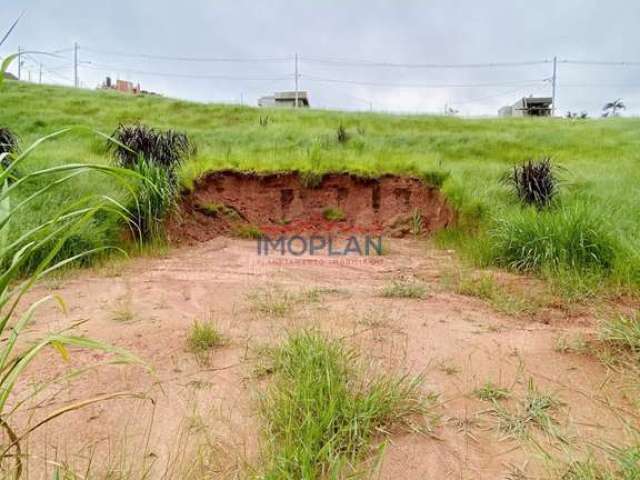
[(600, 162)]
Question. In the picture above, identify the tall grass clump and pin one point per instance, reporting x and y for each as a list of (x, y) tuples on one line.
[(621, 463), (156, 198), (9, 141), (156, 156), (623, 334), (45, 241), (165, 148), (534, 182), (9, 144), (322, 412), (342, 136), (573, 238)]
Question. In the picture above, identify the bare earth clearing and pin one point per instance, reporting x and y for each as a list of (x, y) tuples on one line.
[(148, 305)]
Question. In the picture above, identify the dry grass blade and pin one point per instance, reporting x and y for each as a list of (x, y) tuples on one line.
[(70, 408)]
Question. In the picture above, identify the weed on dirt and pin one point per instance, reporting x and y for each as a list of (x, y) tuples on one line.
[(535, 409), (247, 231), (485, 287), (404, 288), (490, 392), (215, 209), (333, 214), (203, 336), (321, 412), (617, 464), (275, 301)]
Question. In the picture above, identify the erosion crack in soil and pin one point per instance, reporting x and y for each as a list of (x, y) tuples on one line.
[(287, 203)]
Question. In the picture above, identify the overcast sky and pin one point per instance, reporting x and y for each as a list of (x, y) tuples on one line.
[(330, 36)]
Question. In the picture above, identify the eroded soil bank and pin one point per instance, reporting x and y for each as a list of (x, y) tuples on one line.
[(231, 202)]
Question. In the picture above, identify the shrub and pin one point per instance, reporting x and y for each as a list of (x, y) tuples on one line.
[(342, 135), (166, 149), (9, 141), (534, 182), (156, 157), (572, 238)]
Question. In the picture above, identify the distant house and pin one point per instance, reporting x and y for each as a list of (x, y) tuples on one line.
[(285, 99), (10, 76), (120, 86), (528, 107), (127, 87)]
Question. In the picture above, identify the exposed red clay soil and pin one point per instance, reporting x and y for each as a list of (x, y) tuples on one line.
[(457, 343), (282, 203)]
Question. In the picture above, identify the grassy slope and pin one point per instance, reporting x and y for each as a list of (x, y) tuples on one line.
[(601, 157)]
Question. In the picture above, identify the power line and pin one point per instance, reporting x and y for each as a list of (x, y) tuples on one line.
[(591, 85), (369, 63), (53, 71), (419, 85), (497, 95), (190, 59), (111, 68), (603, 63)]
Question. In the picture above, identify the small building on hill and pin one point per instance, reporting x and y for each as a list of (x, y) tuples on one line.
[(124, 86), (528, 107), (285, 100)]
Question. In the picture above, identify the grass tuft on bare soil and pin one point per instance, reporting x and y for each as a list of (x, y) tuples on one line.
[(203, 336), (275, 301), (322, 412), (619, 464), (623, 333), (333, 214), (490, 392), (404, 288), (535, 409), (247, 231), (485, 287)]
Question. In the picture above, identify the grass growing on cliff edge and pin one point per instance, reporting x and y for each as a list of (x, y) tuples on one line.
[(600, 159)]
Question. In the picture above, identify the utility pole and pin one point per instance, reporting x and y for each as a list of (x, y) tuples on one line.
[(19, 63), (553, 86), (296, 76), (40, 76), (76, 80)]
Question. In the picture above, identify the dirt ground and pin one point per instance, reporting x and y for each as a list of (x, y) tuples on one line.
[(147, 305)]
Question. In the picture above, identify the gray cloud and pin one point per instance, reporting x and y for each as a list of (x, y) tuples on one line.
[(407, 31)]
